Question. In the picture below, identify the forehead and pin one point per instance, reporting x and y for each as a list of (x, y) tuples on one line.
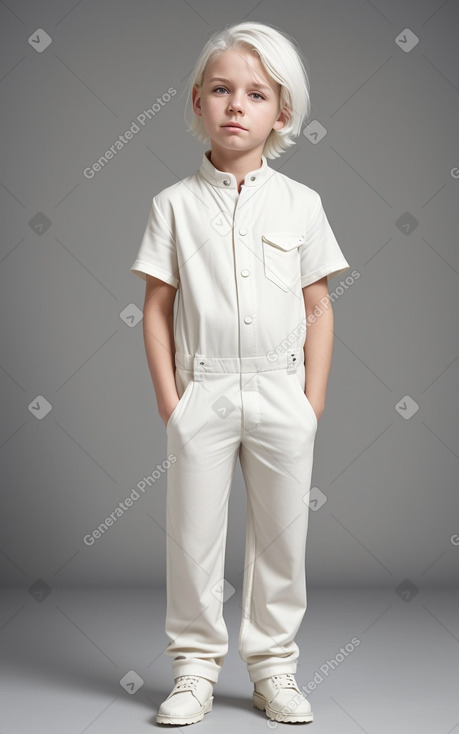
[(235, 64)]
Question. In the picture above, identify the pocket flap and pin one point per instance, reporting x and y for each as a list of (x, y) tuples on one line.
[(284, 240)]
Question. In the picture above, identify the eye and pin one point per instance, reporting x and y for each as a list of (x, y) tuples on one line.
[(257, 94)]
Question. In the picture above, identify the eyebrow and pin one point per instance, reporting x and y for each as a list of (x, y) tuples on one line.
[(222, 79)]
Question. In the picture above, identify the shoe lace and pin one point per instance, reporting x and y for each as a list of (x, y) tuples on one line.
[(284, 680), (187, 682)]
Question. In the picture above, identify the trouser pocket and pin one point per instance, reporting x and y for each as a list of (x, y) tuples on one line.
[(185, 385), (303, 399)]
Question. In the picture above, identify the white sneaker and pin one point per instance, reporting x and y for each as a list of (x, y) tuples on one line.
[(189, 700), (281, 699)]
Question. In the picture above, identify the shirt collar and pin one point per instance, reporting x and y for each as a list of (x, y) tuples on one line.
[(227, 180)]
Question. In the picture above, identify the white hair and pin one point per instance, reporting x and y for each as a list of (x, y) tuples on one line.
[(282, 61)]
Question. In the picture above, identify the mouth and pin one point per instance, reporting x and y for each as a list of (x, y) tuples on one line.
[(234, 126)]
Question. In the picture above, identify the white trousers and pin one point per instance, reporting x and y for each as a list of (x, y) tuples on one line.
[(256, 409)]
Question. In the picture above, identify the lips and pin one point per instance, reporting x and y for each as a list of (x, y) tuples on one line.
[(234, 124)]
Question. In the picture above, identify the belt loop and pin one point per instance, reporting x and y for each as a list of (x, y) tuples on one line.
[(199, 362), (292, 361)]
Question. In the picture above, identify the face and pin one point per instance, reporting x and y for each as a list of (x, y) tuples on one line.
[(236, 88)]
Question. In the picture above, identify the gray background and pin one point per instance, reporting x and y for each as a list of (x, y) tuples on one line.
[(391, 144), (392, 119), (390, 522)]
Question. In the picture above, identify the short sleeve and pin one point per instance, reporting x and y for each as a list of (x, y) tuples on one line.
[(157, 254), (320, 253)]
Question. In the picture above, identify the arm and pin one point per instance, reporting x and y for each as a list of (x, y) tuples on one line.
[(158, 334), (318, 348)]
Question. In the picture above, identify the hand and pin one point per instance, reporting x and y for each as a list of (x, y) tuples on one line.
[(318, 413), (166, 413), (318, 408)]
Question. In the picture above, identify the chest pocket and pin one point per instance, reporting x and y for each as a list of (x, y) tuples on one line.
[(281, 256)]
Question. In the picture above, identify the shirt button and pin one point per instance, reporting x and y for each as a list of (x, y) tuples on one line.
[(252, 178), (248, 320), (226, 182), (245, 273), (243, 230)]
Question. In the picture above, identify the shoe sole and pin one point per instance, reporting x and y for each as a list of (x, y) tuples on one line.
[(261, 704), (180, 720)]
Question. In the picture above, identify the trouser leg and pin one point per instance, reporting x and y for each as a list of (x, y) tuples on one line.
[(276, 460), (198, 486)]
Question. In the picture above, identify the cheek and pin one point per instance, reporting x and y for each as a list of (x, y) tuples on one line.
[(262, 120), (212, 106)]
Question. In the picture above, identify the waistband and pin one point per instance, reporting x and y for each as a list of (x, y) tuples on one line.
[(200, 364)]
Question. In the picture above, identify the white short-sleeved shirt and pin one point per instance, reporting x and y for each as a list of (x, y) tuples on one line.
[(240, 261)]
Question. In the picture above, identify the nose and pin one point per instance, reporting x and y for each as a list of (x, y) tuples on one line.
[(235, 102)]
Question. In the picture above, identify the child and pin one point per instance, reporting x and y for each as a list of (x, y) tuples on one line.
[(249, 251)]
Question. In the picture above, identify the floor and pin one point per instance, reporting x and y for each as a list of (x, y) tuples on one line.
[(372, 660)]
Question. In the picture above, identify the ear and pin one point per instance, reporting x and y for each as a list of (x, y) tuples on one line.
[(283, 118), (196, 98)]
